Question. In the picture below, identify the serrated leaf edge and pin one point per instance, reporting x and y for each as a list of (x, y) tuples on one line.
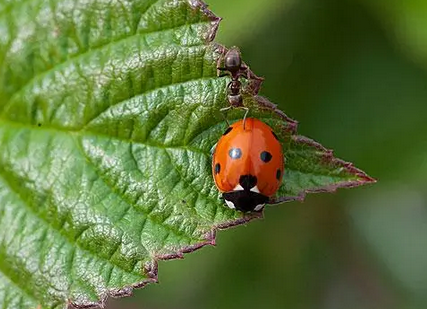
[(151, 268), (328, 156)]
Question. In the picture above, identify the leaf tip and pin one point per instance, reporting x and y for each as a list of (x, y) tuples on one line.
[(328, 157), (215, 20)]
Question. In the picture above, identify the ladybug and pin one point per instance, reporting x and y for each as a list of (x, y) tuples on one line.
[(247, 165)]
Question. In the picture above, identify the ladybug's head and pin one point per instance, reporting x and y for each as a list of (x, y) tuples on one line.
[(245, 200), (246, 196)]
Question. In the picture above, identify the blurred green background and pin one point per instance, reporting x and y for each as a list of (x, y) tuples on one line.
[(354, 74)]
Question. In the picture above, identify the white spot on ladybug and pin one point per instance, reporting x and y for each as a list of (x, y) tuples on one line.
[(259, 207), (238, 188), (230, 204), (255, 189)]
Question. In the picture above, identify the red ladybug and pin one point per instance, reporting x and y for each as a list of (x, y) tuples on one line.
[(248, 165)]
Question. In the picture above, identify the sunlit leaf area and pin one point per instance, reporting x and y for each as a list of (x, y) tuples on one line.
[(110, 111), (354, 75)]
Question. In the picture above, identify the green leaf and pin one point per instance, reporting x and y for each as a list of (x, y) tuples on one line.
[(109, 110)]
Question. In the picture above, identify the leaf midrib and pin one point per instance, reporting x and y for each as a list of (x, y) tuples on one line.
[(79, 134), (111, 188), (74, 243)]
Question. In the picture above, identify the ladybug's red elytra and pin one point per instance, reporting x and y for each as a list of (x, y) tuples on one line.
[(248, 164)]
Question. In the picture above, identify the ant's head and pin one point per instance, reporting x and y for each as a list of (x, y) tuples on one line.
[(233, 60)]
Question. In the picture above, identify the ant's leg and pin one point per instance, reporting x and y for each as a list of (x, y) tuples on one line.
[(224, 113), (229, 87), (222, 72), (226, 109)]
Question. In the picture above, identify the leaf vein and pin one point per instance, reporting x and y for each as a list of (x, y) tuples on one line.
[(190, 184), (74, 58), (70, 241), (124, 198)]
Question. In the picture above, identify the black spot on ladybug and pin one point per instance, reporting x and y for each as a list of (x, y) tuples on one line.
[(275, 136), (248, 181), (217, 168), (227, 131), (266, 156), (278, 174), (235, 153)]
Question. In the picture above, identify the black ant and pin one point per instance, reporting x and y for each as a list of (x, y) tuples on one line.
[(234, 67)]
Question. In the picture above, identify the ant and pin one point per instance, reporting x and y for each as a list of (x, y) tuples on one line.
[(234, 67)]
